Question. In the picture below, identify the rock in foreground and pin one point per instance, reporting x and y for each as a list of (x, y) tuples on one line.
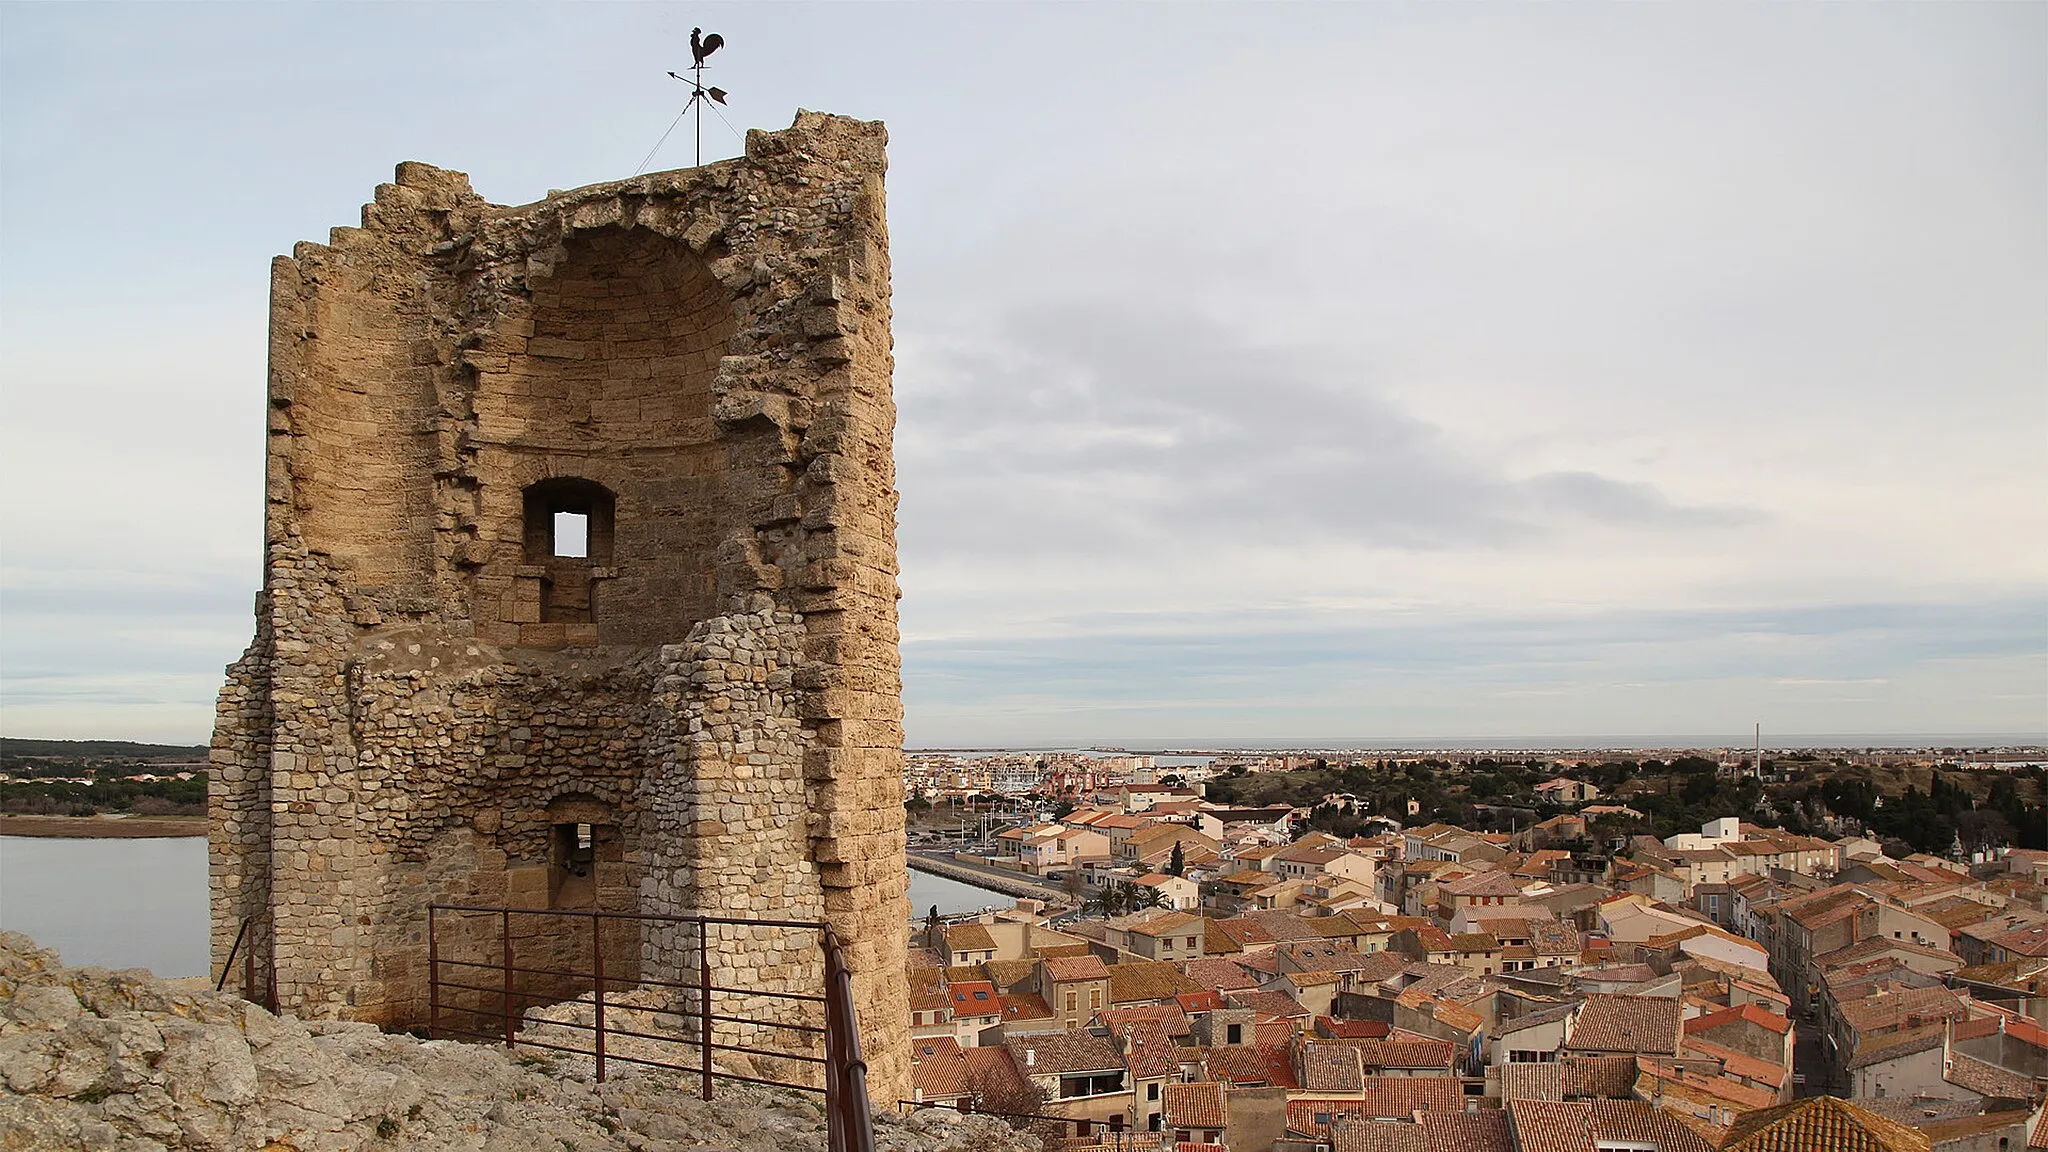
[(95, 1059)]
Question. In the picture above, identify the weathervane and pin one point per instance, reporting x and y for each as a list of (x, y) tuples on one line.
[(701, 47)]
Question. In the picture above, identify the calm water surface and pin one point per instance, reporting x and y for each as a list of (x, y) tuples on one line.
[(142, 903), (115, 903)]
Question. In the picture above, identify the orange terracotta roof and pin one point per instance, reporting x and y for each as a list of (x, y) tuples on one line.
[(1198, 1105)]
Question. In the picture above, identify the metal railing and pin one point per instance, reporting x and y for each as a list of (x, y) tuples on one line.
[(507, 989)]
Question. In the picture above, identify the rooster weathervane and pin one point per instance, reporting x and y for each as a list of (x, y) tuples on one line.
[(701, 48)]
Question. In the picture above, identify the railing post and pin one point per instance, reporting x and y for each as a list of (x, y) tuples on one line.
[(249, 974), (597, 993), (228, 965), (704, 997), (433, 977), (849, 1121), (505, 939)]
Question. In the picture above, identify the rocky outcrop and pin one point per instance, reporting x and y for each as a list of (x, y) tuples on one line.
[(97, 1059)]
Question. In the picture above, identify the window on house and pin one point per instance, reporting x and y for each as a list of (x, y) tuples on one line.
[(1072, 999), (1233, 1034), (1095, 997), (1152, 1093)]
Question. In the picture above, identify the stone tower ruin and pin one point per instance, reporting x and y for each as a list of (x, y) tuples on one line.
[(579, 579)]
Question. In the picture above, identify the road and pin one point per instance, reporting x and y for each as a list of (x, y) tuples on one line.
[(1809, 1059)]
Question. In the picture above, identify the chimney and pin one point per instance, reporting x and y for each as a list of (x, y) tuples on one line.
[(1031, 1057)]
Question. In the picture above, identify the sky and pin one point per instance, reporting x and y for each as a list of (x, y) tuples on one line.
[(1280, 373)]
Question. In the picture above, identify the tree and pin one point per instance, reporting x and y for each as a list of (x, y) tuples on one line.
[(1179, 863)]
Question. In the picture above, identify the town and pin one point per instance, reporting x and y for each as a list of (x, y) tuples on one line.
[(1199, 971)]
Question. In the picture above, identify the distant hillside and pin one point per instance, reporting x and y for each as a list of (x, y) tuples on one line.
[(101, 749)]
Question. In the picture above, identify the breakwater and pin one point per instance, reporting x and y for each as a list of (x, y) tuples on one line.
[(1009, 884)]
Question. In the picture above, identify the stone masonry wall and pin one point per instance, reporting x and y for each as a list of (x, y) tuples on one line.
[(443, 694)]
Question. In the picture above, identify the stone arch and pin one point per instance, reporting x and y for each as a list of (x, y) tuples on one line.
[(608, 386)]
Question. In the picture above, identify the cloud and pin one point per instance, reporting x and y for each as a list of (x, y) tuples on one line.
[(1079, 429)]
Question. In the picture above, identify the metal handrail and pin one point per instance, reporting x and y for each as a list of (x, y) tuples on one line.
[(849, 1114), (228, 965)]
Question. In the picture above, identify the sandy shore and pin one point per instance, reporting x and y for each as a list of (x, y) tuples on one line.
[(95, 827)]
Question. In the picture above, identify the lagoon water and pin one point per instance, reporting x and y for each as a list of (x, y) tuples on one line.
[(142, 903), (114, 903)]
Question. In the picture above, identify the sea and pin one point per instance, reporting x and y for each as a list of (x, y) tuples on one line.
[(141, 903)]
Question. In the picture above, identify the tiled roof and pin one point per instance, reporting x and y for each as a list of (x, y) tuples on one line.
[(1167, 1016), (1024, 1006), (1892, 1045), (1253, 1064), (1141, 981), (1323, 956), (1405, 1053), (1355, 1135), (928, 990), (974, 998), (1148, 1050), (1241, 932), (937, 1068), (1536, 1019), (1351, 1029), (1747, 1013), (1575, 1126), (994, 1075), (1385, 1098), (1010, 975), (1627, 1024), (1203, 1001), (1482, 1131), (1218, 974), (1215, 941), (1544, 1081), (1334, 927), (1475, 942), (1396, 1097), (1198, 1105), (1612, 1077), (1878, 1013), (1063, 1053), (1990, 1080), (1331, 1068), (1065, 968), (1282, 925), (1314, 1116), (1739, 1064), (1482, 884), (1821, 1124), (969, 938), (1267, 1003)]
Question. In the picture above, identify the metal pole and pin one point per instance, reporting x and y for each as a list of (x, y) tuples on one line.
[(433, 977), (704, 998), (228, 965), (505, 938), (597, 995)]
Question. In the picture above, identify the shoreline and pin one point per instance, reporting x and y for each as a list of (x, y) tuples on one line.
[(103, 827)]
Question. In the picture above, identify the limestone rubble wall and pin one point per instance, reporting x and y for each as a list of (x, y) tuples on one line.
[(701, 712)]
